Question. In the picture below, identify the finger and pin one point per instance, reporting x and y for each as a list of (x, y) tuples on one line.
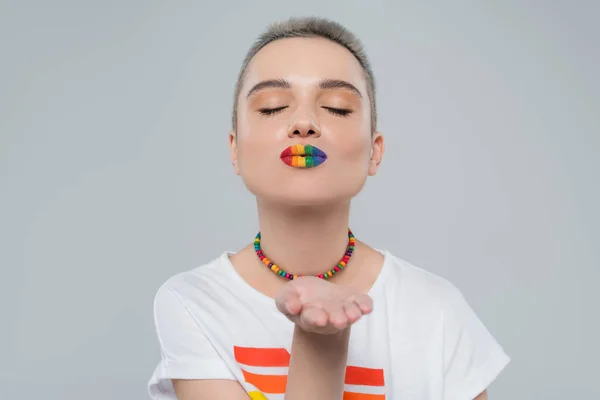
[(364, 303), (288, 302), (313, 317), (292, 305), (352, 312), (337, 316)]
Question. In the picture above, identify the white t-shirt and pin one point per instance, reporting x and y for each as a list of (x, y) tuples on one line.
[(421, 342)]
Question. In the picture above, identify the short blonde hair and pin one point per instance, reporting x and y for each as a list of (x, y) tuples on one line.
[(307, 27)]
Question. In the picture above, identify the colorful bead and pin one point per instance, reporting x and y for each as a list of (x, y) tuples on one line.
[(340, 265)]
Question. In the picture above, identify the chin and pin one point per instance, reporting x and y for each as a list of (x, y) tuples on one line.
[(318, 187), (300, 196), (292, 200)]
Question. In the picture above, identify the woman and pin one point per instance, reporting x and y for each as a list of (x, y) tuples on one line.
[(307, 311)]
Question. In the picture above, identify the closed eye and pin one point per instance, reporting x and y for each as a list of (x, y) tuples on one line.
[(339, 111), (271, 111)]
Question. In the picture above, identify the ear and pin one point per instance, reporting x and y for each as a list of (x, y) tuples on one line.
[(377, 149), (233, 152)]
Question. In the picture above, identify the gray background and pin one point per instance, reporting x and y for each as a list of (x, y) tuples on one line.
[(114, 175)]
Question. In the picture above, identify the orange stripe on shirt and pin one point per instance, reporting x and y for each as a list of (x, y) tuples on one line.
[(362, 396), (274, 384), (279, 357), (364, 376), (261, 357)]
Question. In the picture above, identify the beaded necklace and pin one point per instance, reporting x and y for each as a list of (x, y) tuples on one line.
[(340, 265)]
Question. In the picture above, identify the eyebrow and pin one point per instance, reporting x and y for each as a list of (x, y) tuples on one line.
[(324, 84), (270, 83), (338, 84)]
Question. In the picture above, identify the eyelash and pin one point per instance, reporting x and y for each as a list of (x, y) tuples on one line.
[(337, 111), (271, 111)]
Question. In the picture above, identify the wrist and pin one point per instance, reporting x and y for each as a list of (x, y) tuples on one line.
[(339, 337)]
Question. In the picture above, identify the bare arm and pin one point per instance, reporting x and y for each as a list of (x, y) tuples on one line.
[(317, 366), (482, 396), (210, 389)]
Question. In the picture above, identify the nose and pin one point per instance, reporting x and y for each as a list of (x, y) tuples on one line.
[(304, 127)]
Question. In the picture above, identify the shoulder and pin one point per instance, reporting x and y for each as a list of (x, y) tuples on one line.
[(195, 283), (470, 356), (200, 276), (423, 297), (194, 298), (407, 279)]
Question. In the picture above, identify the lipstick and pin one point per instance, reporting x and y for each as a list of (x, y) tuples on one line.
[(303, 156)]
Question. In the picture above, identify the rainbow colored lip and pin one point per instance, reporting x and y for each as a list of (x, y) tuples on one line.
[(303, 156)]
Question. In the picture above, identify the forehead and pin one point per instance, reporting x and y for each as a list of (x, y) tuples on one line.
[(304, 62)]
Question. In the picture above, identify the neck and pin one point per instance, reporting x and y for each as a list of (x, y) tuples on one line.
[(304, 240)]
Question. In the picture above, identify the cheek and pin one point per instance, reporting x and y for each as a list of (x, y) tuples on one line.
[(356, 150), (260, 143), (351, 139), (256, 152), (249, 155)]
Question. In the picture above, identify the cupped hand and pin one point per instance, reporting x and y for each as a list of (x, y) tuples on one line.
[(318, 306)]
